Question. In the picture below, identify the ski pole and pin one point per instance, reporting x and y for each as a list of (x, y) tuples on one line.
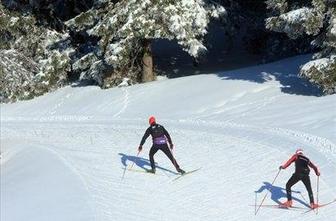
[(267, 192), (130, 167), (317, 193), (134, 160), (174, 160)]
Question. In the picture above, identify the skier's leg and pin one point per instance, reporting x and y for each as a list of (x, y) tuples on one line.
[(293, 180), (152, 151), (168, 153), (306, 182)]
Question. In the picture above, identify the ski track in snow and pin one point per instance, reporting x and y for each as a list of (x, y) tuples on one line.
[(125, 103), (96, 141), (61, 103), (92, 151), (221, 108)]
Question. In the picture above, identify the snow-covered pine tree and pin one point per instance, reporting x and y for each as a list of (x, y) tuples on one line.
[(49, 13), (126, 29), (316, 18), (30, 57)]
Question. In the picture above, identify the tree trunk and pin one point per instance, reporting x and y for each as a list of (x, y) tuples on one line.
[(147, 63)]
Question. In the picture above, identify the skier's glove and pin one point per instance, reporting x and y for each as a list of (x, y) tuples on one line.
[(140, 148), (280, 167), (318, 173)]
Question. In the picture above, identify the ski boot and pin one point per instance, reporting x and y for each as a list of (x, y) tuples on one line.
[(151, 171), (314, 205), (288, 203), (180, 171)]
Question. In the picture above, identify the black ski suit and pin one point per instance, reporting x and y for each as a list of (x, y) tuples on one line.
[(160, 137), (301, 173)]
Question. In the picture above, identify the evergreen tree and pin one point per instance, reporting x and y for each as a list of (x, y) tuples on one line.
[(30, 57), (125, 31), (316, 18)]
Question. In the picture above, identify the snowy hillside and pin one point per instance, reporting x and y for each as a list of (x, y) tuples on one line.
[(63, 155)]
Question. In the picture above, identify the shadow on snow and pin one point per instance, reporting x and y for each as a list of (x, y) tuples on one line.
[(278, 192), (284, 71), (140, 162)]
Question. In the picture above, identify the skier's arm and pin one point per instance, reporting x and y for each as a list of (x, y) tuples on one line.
[(289, 162), (317, 171), (145, 136), (262, 188), (168, 137)]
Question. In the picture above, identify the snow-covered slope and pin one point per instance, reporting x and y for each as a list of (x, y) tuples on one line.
[(63, 155)]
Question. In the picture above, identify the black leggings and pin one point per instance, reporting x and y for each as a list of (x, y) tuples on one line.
[(296, 178), (165, 149)]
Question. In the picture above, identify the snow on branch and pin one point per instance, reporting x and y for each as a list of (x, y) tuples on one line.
[(183, 20)]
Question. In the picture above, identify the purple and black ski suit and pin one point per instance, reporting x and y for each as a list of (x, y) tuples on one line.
[(160, 138)]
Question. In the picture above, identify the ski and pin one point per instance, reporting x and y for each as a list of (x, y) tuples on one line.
[(278, 206), (186, 173), (322, 205), (142, 171), (138, 170)]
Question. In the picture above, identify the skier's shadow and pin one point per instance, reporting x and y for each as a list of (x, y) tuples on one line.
[(140, 162), (278, 192)]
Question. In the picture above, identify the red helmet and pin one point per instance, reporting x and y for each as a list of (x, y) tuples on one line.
[(299, 151), (151, 120)]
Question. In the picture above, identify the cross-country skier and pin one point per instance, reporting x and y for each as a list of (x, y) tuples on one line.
[(160, 138), (302, 164)]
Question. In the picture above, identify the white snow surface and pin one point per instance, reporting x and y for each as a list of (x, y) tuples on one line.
[(63, 155)]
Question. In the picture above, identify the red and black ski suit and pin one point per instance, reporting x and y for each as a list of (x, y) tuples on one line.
[(302, 164), (160, 137)]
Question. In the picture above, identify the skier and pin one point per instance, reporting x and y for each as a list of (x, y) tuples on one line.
[(301, 173), (160, 138)]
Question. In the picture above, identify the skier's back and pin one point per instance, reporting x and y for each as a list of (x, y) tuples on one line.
[(160, 137), (302, 164)]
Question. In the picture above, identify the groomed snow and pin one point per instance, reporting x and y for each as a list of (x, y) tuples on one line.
[(63, 155)]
